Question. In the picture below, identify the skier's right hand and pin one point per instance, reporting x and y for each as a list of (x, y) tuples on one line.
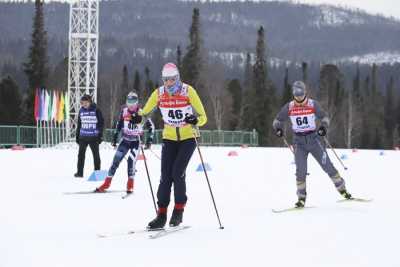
[(114, 142), (77, 139), (279, 132)]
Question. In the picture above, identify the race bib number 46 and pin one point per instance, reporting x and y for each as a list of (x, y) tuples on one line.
[(176, 116)]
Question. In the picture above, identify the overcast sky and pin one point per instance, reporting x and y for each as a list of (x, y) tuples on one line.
[(385, 7)]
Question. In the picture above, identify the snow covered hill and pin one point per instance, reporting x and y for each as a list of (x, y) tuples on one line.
[(387, 57), (41, 225)]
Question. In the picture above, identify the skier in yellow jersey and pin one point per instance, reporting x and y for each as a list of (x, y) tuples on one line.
[(181, 110)]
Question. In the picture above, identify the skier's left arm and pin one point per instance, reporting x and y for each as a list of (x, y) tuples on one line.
[(198, 107), (100, 124), (321, 115)]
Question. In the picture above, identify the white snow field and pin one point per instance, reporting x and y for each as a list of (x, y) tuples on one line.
[(42, 226)]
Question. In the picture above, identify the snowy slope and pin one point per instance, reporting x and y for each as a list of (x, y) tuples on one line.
[(385, 57), (42, 226)]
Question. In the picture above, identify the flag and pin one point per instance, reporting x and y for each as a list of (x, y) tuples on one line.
[(54, 106), (49, 106), (42, 104), (37, 105), (46, 105), (60, 112)]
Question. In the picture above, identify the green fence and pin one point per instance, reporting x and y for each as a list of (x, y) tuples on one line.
[(27, 136)]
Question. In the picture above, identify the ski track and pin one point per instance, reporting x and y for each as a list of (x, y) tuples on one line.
[(42, 226)]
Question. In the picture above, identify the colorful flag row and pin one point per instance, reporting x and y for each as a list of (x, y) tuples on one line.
[(51, 105)]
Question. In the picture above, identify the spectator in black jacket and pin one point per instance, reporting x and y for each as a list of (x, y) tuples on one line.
[(89, 132)]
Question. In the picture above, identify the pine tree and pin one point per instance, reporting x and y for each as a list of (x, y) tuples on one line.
[(235, 90), (366, 125), (137, 84), (179, 57), (304, 68), (192, 61), (247, 94), (10, 102), (376, 112), (261, 117), (389, 114), (148, 86), (124, 88), (36, 67), (287, 90), (331, 96), (125, 80)]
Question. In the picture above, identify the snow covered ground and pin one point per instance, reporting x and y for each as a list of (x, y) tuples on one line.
[(40, 225)]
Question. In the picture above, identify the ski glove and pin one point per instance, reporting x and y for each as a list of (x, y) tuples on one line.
[(148, 143), (136, 118), (279, 132), (322, 131), (77, 139), (99, 139), (191, 119), (114, 142)]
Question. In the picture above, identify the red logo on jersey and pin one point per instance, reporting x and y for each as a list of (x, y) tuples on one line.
[(174, 101)]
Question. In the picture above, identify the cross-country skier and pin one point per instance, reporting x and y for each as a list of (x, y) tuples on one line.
[(303, 113), (89, 132), (129, 123), (181, 110)]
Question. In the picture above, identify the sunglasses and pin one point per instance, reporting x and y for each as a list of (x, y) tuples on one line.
[(172, 79)]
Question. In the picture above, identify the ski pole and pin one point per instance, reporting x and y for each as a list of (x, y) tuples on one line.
[(287, 144), (148, 178), (205, 173), (329, 145)]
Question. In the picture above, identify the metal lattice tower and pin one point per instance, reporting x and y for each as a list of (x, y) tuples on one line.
[(83, 56)]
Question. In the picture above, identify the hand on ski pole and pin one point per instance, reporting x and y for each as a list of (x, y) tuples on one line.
[(322, 131), (279, 132), (191, 119)]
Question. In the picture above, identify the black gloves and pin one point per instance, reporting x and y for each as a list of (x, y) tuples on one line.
[(99, 139), (148, 143), (114, 142), (191, 119), (321, 131), (279, 132), (77, 139), (136, 118)]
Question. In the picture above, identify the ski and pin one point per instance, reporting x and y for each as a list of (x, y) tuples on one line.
[(355, 199), (290, 209), (93, 192), (127, 195), (131, 232), (168, 231)]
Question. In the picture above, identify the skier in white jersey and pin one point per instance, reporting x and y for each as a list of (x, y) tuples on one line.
[(129, 123), (303, 113)]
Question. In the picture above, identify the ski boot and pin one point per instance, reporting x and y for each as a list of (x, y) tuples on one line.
[(129, 185), (160, 221), (300, 203), (104, 186), (345, 194), (176, 218)]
